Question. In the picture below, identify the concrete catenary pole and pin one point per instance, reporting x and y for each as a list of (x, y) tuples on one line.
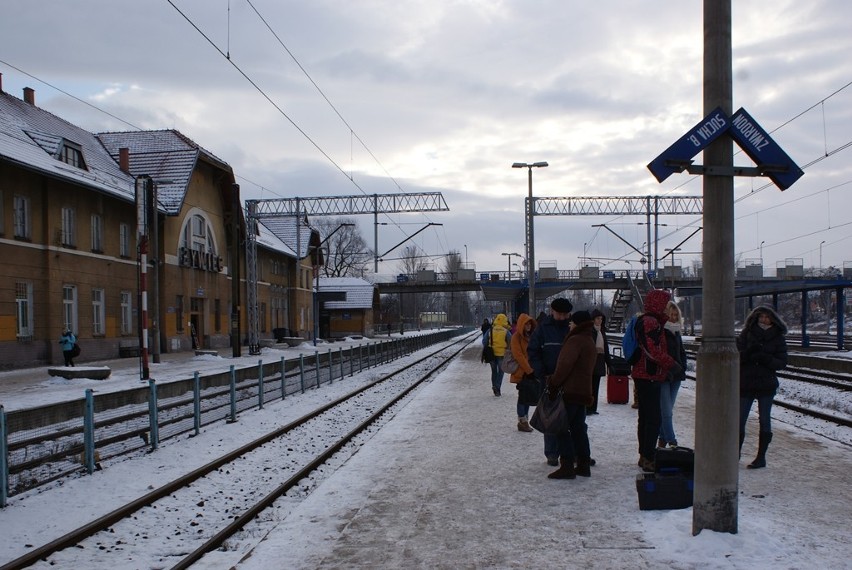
[(717, 389)]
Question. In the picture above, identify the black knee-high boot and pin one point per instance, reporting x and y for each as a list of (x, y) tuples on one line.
[(762, 444)]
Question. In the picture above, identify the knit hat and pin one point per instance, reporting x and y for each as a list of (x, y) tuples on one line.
[(561, 305), (581, 317)]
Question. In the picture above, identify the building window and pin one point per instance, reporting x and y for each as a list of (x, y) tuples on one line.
[(69, 229), (126, 312), (98, 314), (124, 240), (97, 233), (24, 300), (72, 153), (217, 315), (69, 307), (22, 217), (179, 313)]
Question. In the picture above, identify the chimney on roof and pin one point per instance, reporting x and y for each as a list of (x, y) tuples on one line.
[(124, 159), (29, 95)]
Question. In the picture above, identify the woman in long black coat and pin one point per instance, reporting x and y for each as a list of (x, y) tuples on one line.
[(763, 352)]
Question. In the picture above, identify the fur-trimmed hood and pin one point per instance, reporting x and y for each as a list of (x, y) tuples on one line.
[(776, 319)]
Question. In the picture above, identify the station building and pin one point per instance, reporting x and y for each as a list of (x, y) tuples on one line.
[(69, 244)]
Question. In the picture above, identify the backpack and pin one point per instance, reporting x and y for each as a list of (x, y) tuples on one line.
[(509, 364), (630, 341)]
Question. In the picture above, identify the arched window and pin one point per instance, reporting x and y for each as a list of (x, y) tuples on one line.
[(198, 235)]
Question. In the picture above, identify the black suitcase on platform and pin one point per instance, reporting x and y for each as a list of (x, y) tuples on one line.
[(664, 491), (675, 460)]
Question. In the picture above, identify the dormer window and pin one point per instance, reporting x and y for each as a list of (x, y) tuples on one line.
[(71, 153)]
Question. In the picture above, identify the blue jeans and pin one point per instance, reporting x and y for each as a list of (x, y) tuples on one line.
[(523, 410), (764, 411), (496, 373), (668, 395), (575, 443)]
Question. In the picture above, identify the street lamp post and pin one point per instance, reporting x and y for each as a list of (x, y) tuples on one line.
[(820, 253), (509, 275), (761, 254), (465, 256), (530, 210)]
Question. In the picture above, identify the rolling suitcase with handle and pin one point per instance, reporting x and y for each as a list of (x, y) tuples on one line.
[(617, 382)]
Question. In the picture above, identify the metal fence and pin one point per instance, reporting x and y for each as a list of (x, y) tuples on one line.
[(46, 443)]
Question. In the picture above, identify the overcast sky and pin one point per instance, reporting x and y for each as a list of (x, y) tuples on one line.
[(445, 95)]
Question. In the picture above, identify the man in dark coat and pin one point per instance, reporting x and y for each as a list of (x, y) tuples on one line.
[(763, 352), (573, 376), (542, 353)]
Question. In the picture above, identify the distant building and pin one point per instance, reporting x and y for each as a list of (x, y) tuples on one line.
[(347, 306)]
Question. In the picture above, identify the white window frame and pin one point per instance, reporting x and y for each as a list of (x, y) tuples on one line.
[(124, 240), (22, 216), (97, 233), (69, 307), (126, 312), (24, 310), (98, 313), (69, 229)]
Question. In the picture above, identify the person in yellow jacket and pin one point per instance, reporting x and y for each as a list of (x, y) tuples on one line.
[(520, 340), (498, 337)]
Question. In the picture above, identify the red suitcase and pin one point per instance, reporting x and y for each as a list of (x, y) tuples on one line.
[(617, 389)]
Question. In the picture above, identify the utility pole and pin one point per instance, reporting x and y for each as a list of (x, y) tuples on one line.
[(717, 392)]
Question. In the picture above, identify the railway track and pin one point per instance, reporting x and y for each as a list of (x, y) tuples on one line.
[(201, 511)]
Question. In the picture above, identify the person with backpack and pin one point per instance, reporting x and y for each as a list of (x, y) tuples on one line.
[(67, 341), (763, 352), (543, 352), (518, 349), (498, 338), (651, 368)]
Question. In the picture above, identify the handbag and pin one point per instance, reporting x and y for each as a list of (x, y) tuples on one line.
[(75, 350), (509, 365), (529, 391), (488, 350), (487, 354), (550, 416)]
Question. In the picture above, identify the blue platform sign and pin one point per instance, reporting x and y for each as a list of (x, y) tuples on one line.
[(674, 158), (764, 151)]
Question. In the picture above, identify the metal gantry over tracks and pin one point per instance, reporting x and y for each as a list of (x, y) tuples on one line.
[(299, 208)]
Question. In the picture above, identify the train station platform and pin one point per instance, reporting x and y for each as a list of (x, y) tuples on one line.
[(451, 483)]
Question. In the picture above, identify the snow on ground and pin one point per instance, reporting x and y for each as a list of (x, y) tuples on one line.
[(450, 482)]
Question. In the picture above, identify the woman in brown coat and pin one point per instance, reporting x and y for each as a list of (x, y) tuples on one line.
[(520, 340), (573, 375)]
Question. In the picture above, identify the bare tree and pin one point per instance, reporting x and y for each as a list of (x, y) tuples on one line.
[(348, 253)]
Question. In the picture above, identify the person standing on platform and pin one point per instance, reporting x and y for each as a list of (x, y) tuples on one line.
[(650, 372), (603, 360), (668, 392), (763, 352), (485, 326), (543, 352), (498, 337), (518, 345), (67, 341), (573, 377)]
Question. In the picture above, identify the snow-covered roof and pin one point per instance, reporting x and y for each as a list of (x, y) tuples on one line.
[(269, 240), (34, 139), (284, 228), (167, 156), (359, 292)]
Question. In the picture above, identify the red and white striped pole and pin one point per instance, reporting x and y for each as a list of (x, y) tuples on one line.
[(143, 187)]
